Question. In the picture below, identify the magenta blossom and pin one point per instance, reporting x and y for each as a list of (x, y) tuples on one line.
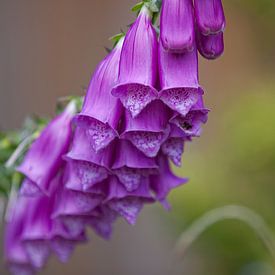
[(138, 65), (101, 111), (180, 89), (148, 130), (177, 30), (44, 158)]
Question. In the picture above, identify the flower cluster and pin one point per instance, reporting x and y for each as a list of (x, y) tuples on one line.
[(143, 104)]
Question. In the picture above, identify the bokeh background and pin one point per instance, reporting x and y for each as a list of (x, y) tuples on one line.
[(49, 49)]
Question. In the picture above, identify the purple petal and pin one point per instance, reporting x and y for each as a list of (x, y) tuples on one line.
[(150, 129), (138, 66), (118, 191), (44, 158), (163, 183), (129, 208), (177, 25), (211, 46), (174, 148), (179, 80), (128, 156), (102, 221), (101, 111), (29, 189), (75, 203), (63, 248), (209, 16), (38, 252)]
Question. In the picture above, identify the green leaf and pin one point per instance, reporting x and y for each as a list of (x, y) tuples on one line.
[(138, 7)]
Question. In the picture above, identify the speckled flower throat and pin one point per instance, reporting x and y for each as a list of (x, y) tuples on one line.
[(111, 155)]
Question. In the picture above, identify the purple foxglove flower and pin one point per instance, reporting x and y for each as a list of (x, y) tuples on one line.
[(209, 16), (44, 158), (101, 220), (87, 167), (150, 129), (131, 166), (191, 123), (180, 88), (15, 254), (163, 183), (101, 111), (138, 65), (128, 204), (177, 31), (173, 147), (39, 225), (64, 237), (210, 46)]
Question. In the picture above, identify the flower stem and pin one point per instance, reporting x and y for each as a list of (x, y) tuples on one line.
[(244, 214)]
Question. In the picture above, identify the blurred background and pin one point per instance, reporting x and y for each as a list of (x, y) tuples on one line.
[(49, 49)]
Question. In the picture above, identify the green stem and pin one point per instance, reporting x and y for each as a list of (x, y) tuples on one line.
[(246, 215)]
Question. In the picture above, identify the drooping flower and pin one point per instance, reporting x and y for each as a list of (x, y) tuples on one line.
[(177, 31), (101, 111), (15, 254), (86, 168), (150, 129), (178, 74), (210, 22), (125, 203), (210, 46), (209, 15), (44, 158), (131, 166), (138, 65), (191, 123), (165, 181)]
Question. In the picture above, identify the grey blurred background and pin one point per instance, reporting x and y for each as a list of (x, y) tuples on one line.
[(49, 49)]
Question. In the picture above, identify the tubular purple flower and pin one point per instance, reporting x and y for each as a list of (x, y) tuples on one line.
[(15, 253), (178, 74), (210, 46), (173, 147), (101, 111), (191, 124), (138, 65), (44, 158), (101, 220), (209, 16), (128, 204), (150, 129), (131, 166), (86, 167), (163, 183), (177, 30)]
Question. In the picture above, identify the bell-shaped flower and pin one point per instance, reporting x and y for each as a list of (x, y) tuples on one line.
[(44, 158), (210, 46), (16, 256), (165, 181), (86, 167), (128, 204), (101, 111), (177, 31), (131, 166), (191, 123), (101, 220), (209, 16), (138, 65), (179, 83), (148, 130), (173, 147)]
